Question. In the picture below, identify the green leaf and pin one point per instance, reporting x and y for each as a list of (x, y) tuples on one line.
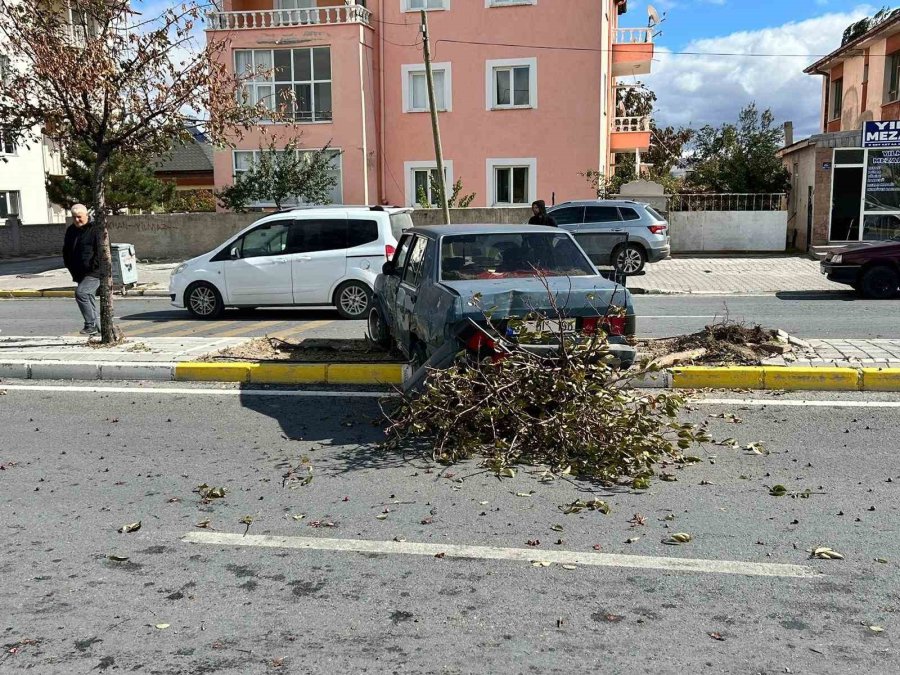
[(778, 491)]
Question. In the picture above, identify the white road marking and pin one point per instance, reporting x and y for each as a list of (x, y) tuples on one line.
[(797, 403), (668, 316), (496, 553), (190, 391)]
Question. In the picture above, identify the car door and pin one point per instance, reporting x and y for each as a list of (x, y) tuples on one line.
[(318, 257), (392, 281), (259, 272), (408, 289), (601, 232)]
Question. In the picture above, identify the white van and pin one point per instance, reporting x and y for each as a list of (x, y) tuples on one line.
[(313, 257)]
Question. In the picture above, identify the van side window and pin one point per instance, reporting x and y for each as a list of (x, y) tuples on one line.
[(266, 240), (415, 267), (319, 234), (360, 232)]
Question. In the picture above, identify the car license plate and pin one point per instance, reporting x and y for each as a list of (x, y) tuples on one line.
[(550, 326)]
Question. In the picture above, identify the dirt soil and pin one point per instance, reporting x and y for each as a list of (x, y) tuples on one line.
[(725, 344), (311, 350)]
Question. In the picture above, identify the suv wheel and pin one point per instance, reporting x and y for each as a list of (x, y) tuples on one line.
[(353, 300), (629, 259), (880, 283), (203, 301)]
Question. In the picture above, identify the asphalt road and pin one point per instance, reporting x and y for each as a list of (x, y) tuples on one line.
[(812, 316), (77, 466)]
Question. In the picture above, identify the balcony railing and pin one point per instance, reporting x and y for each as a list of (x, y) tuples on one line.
[(634, 36), (625, 124), (279, 18)]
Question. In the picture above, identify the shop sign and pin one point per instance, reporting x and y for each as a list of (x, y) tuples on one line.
[(881, 134)]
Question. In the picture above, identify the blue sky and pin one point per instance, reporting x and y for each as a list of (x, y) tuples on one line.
[(696, 90)]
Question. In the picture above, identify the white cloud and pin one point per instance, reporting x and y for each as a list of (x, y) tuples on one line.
[(696, 90)]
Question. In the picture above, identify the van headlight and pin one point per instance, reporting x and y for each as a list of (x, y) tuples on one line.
[(178, 270)]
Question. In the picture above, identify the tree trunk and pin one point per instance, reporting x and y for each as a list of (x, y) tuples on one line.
[(108, 332)]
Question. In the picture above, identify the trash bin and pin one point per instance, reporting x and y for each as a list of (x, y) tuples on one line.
[(124, 265)]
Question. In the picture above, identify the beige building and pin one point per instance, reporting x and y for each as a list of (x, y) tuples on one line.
[(841, 191)]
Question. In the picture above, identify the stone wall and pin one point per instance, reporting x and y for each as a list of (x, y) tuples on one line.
[(721, 231)]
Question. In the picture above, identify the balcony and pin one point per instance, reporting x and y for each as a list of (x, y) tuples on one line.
[(632, 51), (285, 18), (630, 134)]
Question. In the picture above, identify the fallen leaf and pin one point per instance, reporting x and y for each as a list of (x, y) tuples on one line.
[(883, 561), (556, 528), (381, 516), (631, 540), (541, 563), (597, 547), (678, 538), (569, 567), (508, 472), (524, 494), (162, 626), (131, 527), (484, 503), (533, 542), (825, 553), (642, 483), (299, 516), (668, 477), (876, 629), (118, 558), (204, 524), (716, 636), (778, 491), (439, 555)]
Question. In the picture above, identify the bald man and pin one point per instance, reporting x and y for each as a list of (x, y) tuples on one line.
[(81, 255)]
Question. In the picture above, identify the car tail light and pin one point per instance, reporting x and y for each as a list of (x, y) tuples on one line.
[(389, 251), (615, 325), (658, 229), (480, 341), (589, 324)]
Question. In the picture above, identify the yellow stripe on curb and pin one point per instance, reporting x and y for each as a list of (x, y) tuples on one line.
[(881, 379), (733, 377), (812, 379), (288, 373), (58, 294), (193, 371), (22, 294), (365, 373)]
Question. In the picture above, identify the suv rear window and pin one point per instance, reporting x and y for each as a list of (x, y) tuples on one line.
[(653, 212), (399, 223), (511, 255)]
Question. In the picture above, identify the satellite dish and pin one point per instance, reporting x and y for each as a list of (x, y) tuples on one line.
[(654, 16)]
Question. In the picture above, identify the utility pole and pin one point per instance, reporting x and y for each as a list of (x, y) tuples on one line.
[(435, 128)]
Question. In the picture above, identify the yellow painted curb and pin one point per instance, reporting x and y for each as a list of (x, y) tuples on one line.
[(812, 378), (21, 294), (726, 377), (193, 371), (881, 379), (287, 373), (365, 373), (58, 294)]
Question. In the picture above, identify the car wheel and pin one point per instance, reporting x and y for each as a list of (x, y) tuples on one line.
[(880, 283), (629, 259), (352, 300), (203, 301), (378, 330)]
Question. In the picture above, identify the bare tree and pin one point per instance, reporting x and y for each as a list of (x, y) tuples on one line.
[(98, 73)]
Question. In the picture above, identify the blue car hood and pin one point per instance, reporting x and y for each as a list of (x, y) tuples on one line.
[(575, 296)]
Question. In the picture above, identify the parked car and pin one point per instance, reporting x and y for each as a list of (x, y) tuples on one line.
[(432, 298), (872, 269), (601, 226), (314, 257)]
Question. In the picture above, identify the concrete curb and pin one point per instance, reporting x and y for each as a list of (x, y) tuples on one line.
[(51, 293), (196, 371), (786, 378)]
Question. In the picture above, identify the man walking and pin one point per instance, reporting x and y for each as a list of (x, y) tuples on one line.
[(540, 217), (81, 256)]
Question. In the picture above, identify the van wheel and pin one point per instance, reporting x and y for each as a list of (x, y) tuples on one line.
[(629, 259), (378, 330), (353, 300), (203, 301), (880, 283)]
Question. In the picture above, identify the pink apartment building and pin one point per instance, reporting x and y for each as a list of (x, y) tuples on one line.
[(526, 90)]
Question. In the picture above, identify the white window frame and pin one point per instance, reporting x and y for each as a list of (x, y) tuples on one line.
[(339, 186), (406, 6), (490, 86), (507, 3), (511, 163), (410, 184), (407, 72)]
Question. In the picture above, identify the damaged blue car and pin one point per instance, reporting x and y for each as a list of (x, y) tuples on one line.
[(448, 288)]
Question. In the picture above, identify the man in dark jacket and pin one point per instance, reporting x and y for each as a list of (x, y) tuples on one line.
[(540, 217), (81, 256)]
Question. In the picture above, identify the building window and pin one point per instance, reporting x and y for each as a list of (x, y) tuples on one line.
[(837, 98), (511, 83), (244, 159), (892, 78), (9, 203), (416, 5), (421, 177), (511, 181), (415, 87), (296, 82), (7, 144)]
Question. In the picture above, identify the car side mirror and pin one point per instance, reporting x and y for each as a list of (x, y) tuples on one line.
[(234, 253), (388, 268)]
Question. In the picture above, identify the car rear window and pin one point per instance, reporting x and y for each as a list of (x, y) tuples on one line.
[(653, 212), (511, 255), (400, 222)]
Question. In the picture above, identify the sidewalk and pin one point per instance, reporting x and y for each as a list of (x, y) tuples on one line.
[(47, 277), (749, 275)]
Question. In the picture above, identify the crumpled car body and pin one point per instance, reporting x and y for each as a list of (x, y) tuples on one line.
[(428, 297)]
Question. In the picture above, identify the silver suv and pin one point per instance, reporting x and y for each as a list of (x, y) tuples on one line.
[(601, 226)]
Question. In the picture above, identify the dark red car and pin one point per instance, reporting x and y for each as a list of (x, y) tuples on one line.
[(872, 269)]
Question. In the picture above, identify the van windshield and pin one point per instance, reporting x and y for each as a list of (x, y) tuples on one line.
[(512, 255), (399, 223)]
